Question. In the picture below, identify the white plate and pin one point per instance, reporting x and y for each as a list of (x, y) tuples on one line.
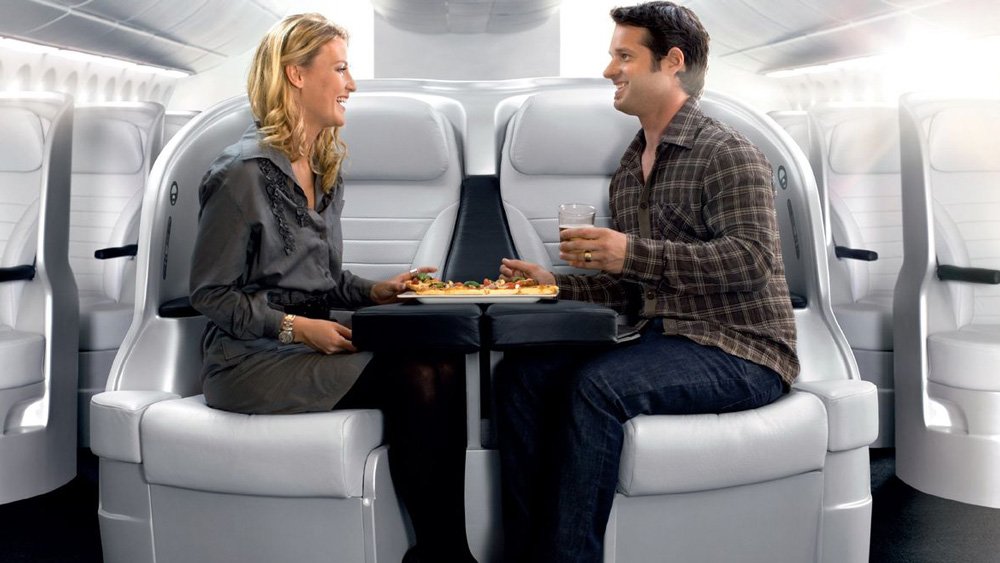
[(475, 298)]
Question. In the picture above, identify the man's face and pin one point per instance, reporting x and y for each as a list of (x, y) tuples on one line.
[(638, 86)]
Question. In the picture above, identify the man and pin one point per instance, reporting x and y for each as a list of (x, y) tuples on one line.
[(695, 251)]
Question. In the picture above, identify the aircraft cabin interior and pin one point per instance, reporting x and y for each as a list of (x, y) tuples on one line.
[(471, 122)]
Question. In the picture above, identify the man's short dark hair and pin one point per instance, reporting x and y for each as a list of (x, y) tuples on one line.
[(669, 25)]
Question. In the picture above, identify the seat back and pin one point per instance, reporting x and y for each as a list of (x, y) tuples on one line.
[(858, 162), (115, 145), (174, 121), (402, 183), (562, 147), (38, 317)]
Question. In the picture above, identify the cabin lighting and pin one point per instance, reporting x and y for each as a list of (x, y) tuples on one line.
[(69, 54)]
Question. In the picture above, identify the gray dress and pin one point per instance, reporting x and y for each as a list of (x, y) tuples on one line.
[(260, 252)]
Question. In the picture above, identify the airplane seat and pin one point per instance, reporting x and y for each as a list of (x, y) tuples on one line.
[(857, 161), (115, 145), (38, 298), (301, 487), (399, 210), (947, 299), (788, 481), (174, 121), (796, 124)]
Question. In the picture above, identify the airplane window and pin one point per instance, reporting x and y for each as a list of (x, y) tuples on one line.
[(141, 93), (91, 91), (109, 89), (49, 80), (155, 94), (69, 85), (23, 81), (127, 91)]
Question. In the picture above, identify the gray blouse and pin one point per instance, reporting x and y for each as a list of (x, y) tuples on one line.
[(259, 247)]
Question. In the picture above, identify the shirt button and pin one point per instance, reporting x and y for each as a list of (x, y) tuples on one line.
[(651, 295), (643, 206)]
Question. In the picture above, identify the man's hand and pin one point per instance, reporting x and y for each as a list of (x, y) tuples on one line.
[(605, 248), (386, 291), (511, 268), (327, 337)]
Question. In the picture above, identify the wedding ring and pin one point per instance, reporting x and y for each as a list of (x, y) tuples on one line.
[(587, 257)]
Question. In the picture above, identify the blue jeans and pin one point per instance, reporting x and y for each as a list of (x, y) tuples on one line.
[(559, 421)]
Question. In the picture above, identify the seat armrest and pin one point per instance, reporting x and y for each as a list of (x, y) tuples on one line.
[(114, 422), (418, 327), (179, 308), (562, 322), (17, 273), (851, 409), (116, 251), (969, 275), (855, 253)]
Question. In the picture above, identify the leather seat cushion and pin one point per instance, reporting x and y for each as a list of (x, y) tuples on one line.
[(103, 322), (966, 358), (666, 454), (867, 324), (187, 444), (23, 356)]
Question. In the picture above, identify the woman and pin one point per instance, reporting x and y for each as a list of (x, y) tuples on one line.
[(267, 271)]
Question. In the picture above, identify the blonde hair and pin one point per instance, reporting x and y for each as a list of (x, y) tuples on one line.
[(295, 40)]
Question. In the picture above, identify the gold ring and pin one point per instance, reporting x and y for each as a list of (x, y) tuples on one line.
[(587, 257)]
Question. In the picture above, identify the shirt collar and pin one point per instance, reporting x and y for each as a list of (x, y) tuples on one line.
[(684, 126), (251, 147)]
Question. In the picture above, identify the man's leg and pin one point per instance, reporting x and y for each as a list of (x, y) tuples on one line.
[(529, 389), (656, 375)]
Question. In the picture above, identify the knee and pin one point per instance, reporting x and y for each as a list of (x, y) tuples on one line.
[(590, 391)]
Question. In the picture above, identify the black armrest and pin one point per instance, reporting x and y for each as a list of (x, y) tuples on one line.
[(179, 308), (798, 301), (855, 253), (418, 327), (513, 325), (16, 273), (116, 251), (970, 275)]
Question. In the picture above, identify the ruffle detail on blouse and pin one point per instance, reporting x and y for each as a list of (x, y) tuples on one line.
[(275, 182)]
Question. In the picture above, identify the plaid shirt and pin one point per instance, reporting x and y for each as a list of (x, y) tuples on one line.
[(703, 253)]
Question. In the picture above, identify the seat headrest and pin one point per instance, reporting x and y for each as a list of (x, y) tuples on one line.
[(22, 142), (395, 138), (965, 140), (569, 133), (866, 144), (106, 146)]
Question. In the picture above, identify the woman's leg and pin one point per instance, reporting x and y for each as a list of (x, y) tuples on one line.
[(425, 413)]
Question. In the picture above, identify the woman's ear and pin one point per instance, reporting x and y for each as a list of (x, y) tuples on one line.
[(294, 75)]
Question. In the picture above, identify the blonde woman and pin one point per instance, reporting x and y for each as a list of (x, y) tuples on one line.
[(267, 270)]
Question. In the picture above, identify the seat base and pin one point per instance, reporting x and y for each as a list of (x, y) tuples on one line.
[(876, 366), (944, 463)]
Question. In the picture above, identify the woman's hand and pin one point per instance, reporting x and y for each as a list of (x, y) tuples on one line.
[(511, 268), (324, 336), (594, 248), (386, 291)]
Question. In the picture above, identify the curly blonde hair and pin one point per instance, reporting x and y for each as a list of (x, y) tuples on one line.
[(295, 40)]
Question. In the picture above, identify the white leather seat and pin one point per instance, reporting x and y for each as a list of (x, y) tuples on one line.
[(183, 482), (174, 121), (399, 210), (857, 159), (947, 300), (38, 310), (114, 145), (786, 482)]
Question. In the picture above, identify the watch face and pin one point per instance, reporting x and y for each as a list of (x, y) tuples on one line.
[(285, 337)]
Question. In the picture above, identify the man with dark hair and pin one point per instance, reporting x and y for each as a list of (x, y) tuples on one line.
[(695, 251)]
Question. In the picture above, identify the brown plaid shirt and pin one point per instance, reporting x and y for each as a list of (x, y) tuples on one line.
[(703, 248)]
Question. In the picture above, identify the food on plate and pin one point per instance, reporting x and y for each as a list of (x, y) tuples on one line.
[(425, 284)]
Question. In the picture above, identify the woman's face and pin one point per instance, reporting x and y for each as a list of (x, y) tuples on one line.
[(324, 86)]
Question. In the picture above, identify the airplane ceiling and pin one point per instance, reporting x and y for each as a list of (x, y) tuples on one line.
[(466, 16), (755, 35), (190, 35)]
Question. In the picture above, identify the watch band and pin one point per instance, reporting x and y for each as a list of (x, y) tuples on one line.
[(287, 333)]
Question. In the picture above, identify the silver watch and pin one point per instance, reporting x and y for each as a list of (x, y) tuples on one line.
[(287, 335)]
